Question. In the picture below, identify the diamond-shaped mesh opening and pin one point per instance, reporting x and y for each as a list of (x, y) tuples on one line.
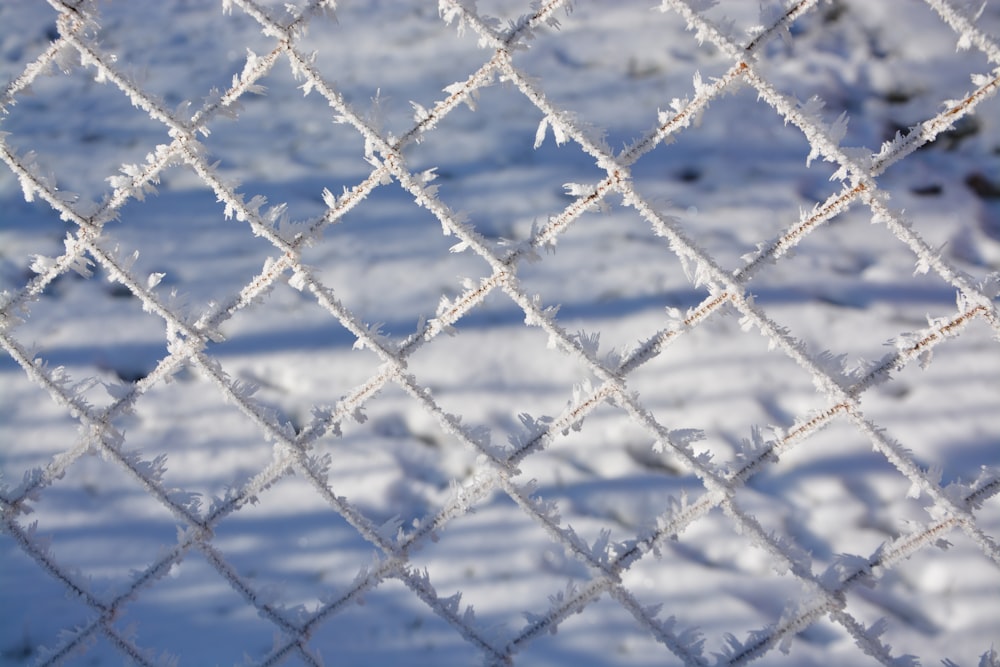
[(709, 547), (602, 634), (376, 281), (536, 174), (906, 627), (400, 624), (945, 437), (468, 167), (927, 597), (89, 494), (589, 75), (32, 27), (502, 583), (486, 390), (210, 447), (175, 606), (396, 465), (281, 371), (867, 299), (287, 161), (711, 364), (941, 181), (900, 82), (619, 293), (373, 76), (607, 475), (109, 341), (732, 382), (160, 60), (736, 155), (734, 186), (856, 256), (292, 559), (942, 187), (40, 612), (182, 224), (854, 510), (33, 428), (29, 230), (470, 173), (48, 123)]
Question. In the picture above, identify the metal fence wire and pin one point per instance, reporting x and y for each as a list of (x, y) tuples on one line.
[(679, 543)]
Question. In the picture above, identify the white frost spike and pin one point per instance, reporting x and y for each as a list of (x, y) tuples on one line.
[(246, 75), (126, 263), (255, 203), (374, 331), (699, 84), (584, 191), (539, 138), (329, 198), (391, 529), (420, 113), (80, 263), (589, 342), (40, 263), (452, 603), (460, 88), (154, 279), (602, 551), (449, 10), (770, 14), (811, 109), (838, 130), (557, 131), (685, 437)]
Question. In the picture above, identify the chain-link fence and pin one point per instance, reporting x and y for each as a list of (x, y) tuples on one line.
[(198, 455)]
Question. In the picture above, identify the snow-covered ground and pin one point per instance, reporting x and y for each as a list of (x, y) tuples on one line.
[(738, 178)]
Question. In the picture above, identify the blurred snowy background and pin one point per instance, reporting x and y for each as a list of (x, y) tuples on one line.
[(736, 180)]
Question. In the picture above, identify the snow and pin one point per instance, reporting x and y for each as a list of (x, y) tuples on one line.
[(521, 539)]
